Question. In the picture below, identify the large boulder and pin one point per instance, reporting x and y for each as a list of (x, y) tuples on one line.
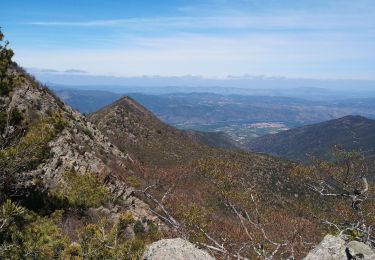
[(360, 250), (335, 248), (176, 249)]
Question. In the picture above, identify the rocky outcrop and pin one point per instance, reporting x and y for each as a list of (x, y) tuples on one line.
[(80, 147), (177, 249), (335, 248)]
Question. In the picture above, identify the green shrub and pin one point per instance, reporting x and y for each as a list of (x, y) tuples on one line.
[(7, 82), (133, 181), (16, 117), (99, 241), (125, 220), (74, 251), (82, 190), (3, 122), (88, 133), (139, 229), (25, 235), (27, 154), (153, 231)]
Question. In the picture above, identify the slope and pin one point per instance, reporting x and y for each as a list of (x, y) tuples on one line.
[(349, 132), (64, 189), (197, 184), (133, 128)]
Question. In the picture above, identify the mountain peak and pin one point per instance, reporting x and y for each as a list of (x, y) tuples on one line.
[(133, 106)]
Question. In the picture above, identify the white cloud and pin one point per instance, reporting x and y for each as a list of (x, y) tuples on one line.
[(256, 54), (337, 42), (259, 22)]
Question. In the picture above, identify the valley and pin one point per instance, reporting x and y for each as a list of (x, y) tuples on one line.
[(242, 117)]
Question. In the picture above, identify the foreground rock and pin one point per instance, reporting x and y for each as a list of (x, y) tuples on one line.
[(176, 249), (335, 248)]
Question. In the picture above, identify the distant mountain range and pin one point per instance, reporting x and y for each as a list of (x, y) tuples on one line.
[(313, 89), (242, 117), (349, 132), (87, 101)]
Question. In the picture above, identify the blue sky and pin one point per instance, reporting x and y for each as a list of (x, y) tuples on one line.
[(214, 38)]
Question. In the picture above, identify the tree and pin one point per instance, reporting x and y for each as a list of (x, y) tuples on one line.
[(6, 54), (343, 182), (10, 117)]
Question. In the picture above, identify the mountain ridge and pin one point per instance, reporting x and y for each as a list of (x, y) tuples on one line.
[(352, 132), (141, 128)]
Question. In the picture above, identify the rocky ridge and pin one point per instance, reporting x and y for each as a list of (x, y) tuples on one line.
[(79, 147)]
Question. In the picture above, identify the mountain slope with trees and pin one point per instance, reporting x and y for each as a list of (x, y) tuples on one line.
[(349, 132), (133, 128)]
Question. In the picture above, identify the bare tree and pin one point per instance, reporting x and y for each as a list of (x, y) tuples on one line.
[(345, 179), (242, 201)]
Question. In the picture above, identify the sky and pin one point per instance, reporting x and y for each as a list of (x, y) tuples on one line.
[(323, 39)]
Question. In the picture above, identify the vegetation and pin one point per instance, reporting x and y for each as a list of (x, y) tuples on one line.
[(56, 216), (25, 155), (82, 190), (6, 83), (198, 190), (25, 235), (98, 241), (134, 129), (343, 183), (298, 144)]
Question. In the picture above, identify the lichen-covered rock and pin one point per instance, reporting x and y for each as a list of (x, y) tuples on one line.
[(331, 247), (176, 249), (358, 250), (335, 248)]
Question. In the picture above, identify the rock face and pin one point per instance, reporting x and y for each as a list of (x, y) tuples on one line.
[(80, 147), (177, 249), (359, 250), (335, 248)]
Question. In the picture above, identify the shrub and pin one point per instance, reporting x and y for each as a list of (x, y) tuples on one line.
[(3, 122), (87, 132), (99, 241), (24, 235), (133, 181), (82, 190), (7, 82), (26, 155), (153, 231), (139, 229), (125, 220), (74, 251)]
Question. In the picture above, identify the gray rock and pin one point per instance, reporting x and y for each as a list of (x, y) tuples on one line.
[(176, 249), (331, 248), (360, 250), (335, 248)]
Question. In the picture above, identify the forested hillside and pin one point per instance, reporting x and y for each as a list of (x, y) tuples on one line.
[(349, 133)]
